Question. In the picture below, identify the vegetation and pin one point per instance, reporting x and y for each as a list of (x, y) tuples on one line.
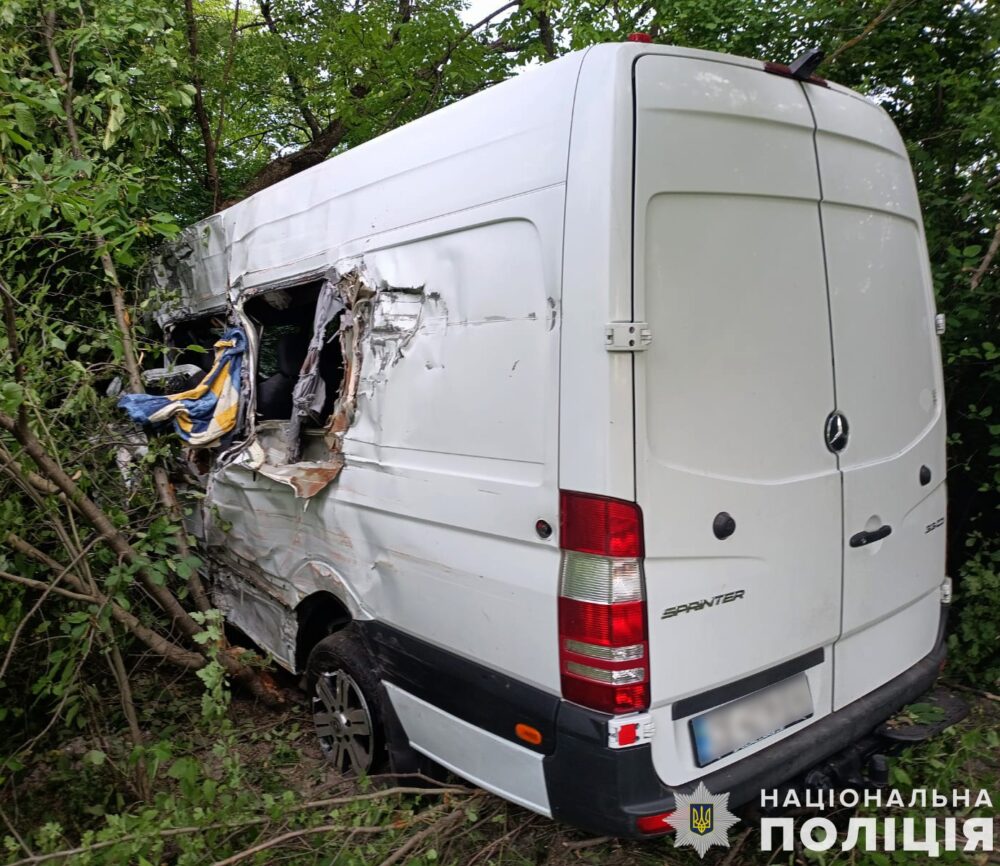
[(121, 120)]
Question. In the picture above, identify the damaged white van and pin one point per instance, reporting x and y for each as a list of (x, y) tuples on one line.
[(591, 438)]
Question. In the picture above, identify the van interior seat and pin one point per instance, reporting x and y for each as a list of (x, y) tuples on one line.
[(274, 394)]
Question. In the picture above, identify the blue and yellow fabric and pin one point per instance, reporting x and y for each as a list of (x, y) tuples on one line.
[(207, 412)]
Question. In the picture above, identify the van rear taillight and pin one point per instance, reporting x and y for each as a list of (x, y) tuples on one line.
[(603, 647), (598, 525)]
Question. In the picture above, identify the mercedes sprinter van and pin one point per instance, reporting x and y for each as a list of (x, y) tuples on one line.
[(592, 438)]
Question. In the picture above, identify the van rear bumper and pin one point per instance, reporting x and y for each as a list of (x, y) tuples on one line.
[(605, 791)]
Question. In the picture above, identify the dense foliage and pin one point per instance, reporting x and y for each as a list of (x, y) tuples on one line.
[(121, 120)]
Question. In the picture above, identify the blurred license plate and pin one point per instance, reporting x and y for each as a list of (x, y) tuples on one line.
[(751, 719)]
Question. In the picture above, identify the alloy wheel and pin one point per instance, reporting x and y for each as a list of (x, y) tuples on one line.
[(343, 722)]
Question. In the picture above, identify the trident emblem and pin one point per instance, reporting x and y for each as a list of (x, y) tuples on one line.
[(702, 815)]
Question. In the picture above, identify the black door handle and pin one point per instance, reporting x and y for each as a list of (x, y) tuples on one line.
[(863, 538)]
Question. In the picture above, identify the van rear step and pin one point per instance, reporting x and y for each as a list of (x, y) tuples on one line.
[(925, 718)]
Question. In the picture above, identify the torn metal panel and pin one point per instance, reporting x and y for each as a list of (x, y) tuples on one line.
[(460, 372), (378, 324), (306, 478), (309, 394), (248, 605), (357, 294), (192, 271)]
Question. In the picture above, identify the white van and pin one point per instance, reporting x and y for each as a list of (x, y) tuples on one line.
[(621, 458)]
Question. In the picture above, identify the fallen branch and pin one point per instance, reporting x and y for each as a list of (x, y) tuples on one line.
[(417, 838), (99, 520), (987, 695), (586, 843), (168, 650), (141, 774), (497, 844), (389, 792), (170, 832), (47, 587), (730, 858), (298, 834)]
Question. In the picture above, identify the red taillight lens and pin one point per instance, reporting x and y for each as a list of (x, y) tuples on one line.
[(603, 651), (598, 525), (782, 69), (650, 824), (606, 698), (606, 625)]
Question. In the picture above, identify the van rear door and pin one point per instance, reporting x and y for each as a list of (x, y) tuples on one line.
[(740, 496), (889, 389)]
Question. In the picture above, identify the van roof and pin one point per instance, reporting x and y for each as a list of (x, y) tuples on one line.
[(507, 140)]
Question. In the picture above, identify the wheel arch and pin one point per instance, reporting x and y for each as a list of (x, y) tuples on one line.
[(323, 602), (320, 614)]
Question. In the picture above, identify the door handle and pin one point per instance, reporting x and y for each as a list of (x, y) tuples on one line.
[(863, 538)]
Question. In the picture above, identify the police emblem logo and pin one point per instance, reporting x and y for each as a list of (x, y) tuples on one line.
[(702, 819)]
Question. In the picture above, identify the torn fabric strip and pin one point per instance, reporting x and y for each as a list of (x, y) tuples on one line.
[(205, 413)]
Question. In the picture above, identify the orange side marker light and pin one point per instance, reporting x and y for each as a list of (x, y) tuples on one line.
[(528, 734)]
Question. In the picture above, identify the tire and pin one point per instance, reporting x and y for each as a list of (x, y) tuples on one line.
[(346, 702)]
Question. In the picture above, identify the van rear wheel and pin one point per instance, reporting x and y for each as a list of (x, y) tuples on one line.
[(346, 704)]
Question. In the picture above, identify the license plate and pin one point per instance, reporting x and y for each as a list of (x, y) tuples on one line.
[(751, 719)]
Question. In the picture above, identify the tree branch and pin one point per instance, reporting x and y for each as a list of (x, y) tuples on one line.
[(41, 586), (170, 832), (294, 82), (200, 112), (230, 57), (157, 643), (869, 27), (306, 157), (987, 260), (117, 665)]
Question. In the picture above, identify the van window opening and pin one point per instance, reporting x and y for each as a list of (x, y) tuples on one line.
[(191, 340), (285, 321), (183, 358)]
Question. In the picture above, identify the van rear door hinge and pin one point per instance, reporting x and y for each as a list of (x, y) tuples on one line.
[(627, 336)]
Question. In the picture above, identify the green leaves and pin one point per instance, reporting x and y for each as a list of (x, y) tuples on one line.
[(11, 397)]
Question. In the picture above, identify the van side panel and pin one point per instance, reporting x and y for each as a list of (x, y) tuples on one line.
[(595, 435), (452, 458)]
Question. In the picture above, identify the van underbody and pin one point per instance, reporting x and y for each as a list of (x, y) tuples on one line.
[(604, 411)]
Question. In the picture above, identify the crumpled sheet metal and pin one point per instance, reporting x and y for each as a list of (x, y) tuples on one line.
[(192, 271), (249, 606), (274, 551), (306, 478), (377, 324), (309, 394), (377, 321), (356, 291)]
